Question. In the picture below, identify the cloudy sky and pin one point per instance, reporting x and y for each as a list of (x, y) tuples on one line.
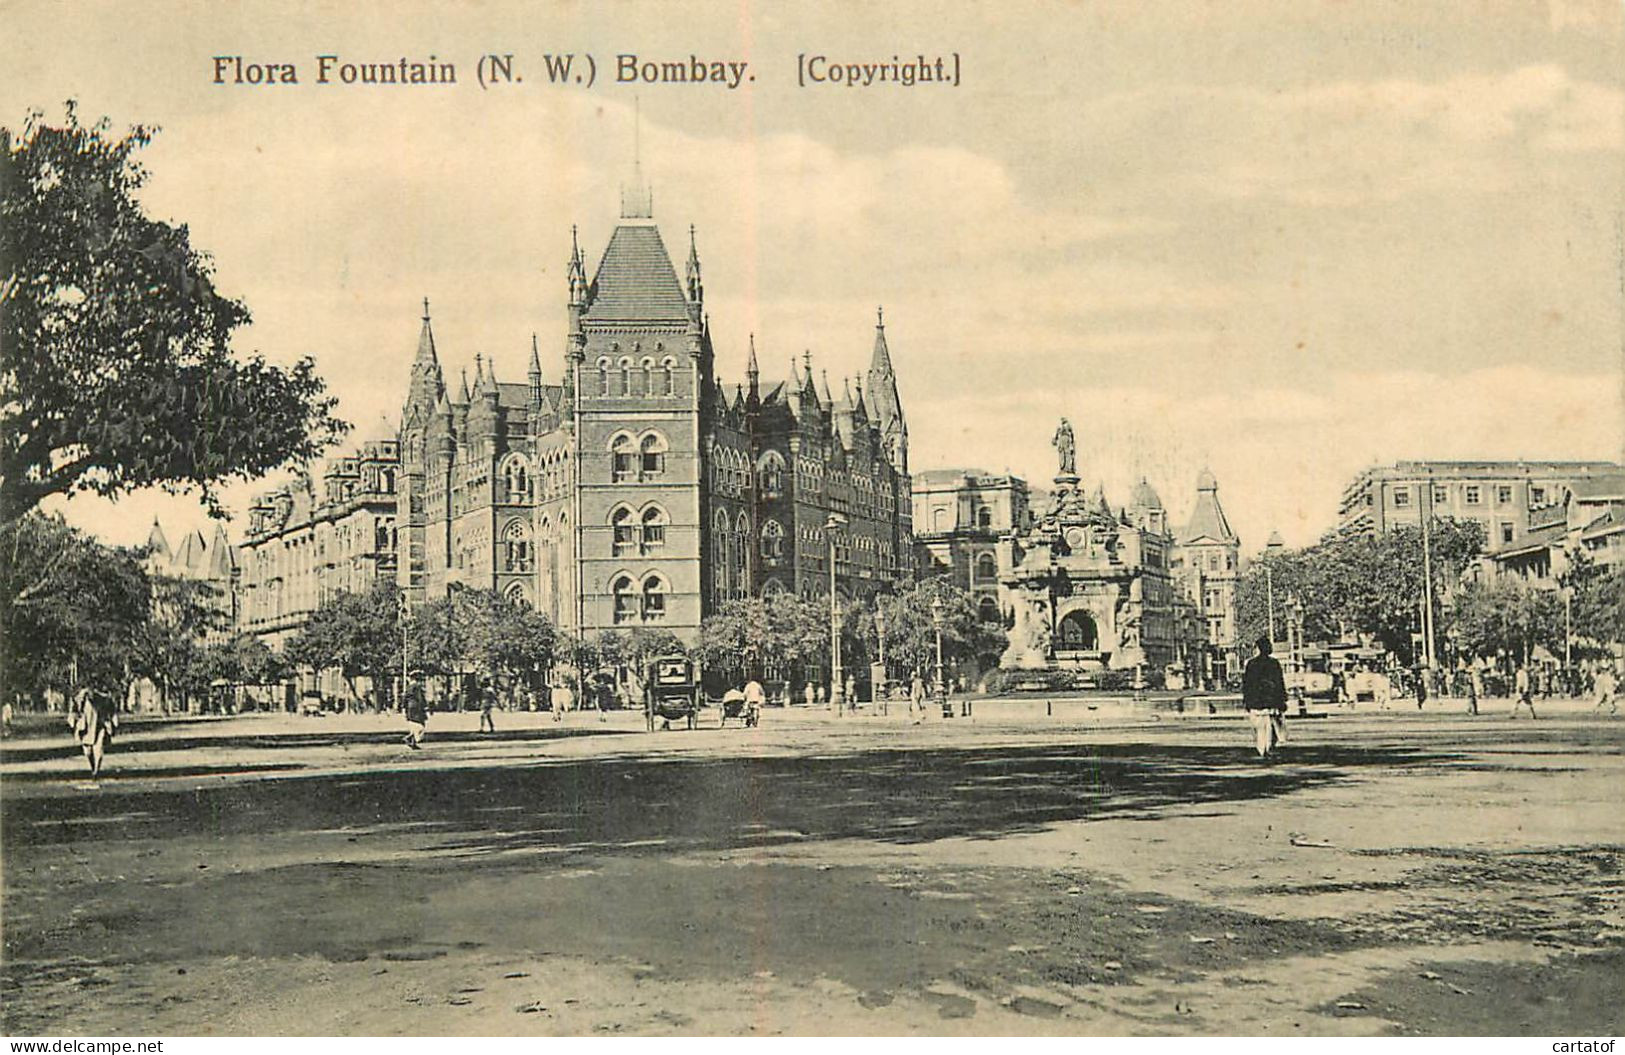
[(1283, 240)]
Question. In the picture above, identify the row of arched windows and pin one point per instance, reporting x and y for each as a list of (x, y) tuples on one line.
[(626, 376)]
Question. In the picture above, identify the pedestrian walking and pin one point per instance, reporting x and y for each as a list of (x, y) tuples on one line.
[(1421, 687), (1523, 692), (558, 699), (5, 718), (1472, 690), (916, 699), (807, 692), (488, 699), (1607, 687), (417, 713), (1263, 694), (755, 700), (94, 720), (851, 693)]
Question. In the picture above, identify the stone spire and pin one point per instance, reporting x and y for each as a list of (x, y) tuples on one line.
[(462, 393), (696, 288), (157, 544), (884, 401), (426, 385)]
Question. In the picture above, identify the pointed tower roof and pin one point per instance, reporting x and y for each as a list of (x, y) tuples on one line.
[(1275, 542), (222, 558), (829, 400), (463, 395), (1207, 519), (157, 543), (535, 358), (426, 351), (883, 380), (427, 384), (189, 557)]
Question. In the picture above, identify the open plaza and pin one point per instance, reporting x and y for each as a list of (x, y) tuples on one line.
[(1070, 865)]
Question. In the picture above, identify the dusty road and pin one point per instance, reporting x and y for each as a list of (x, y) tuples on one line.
[(1009, 874)]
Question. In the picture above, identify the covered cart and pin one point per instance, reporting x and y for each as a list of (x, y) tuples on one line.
[(672, 691)]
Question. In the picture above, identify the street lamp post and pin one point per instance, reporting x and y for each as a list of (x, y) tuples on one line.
[(880, 693), (400, 701), (942, 684), (1269, 595), (834, 522)]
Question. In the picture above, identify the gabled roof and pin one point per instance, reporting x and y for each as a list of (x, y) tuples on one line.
[(636, 281)]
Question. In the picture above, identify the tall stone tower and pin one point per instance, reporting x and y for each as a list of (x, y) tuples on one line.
[(425, 389), (640, 362)]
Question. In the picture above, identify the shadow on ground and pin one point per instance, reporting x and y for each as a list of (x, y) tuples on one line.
[(669, 803)]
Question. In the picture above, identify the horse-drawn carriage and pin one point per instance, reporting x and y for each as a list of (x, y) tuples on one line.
[(671, 691)]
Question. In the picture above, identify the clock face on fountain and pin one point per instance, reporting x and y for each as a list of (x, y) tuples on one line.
[(1075, 537)]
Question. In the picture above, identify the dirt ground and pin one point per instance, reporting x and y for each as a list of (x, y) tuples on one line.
[(1086, 872)]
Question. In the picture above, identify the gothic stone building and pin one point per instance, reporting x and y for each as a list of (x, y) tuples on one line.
[(309, 540), (636, 491)]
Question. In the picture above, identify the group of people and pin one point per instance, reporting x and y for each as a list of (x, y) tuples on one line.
[(1264, 695)]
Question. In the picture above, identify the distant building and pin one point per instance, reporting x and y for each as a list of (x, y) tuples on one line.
[(1586, 517), (1498, 495), (1207, 563), (195, 558), (959, 517), (310, 540)]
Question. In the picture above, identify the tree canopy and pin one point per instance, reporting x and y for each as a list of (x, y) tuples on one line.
[(115, 366), (1351, 585)]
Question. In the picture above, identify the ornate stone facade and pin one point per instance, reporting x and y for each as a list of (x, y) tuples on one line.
[(638, 491), (1090, 589)]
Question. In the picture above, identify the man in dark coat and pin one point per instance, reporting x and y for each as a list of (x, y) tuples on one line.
[(1263, 693), (417, 712)]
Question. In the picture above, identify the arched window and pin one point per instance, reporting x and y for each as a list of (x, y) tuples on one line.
[(770, 474), (652, 452), (517, 479), (603, 375), (668, 370), (772, 541), (654, 599), (654, 528), (516, 594), (987, 609), (646, 377), (626, 600), (986, 568), (939, 519), (720, 558), (984, 518), (625, 530), (626, 375), (516, 546), (621, 452)]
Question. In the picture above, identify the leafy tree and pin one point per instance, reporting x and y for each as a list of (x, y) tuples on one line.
[(779, 636), (1350, 585), (1506, 617), (76, 611), (481, 632), (911, 629), (357, 634), (115, 367), (1598, 605)]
